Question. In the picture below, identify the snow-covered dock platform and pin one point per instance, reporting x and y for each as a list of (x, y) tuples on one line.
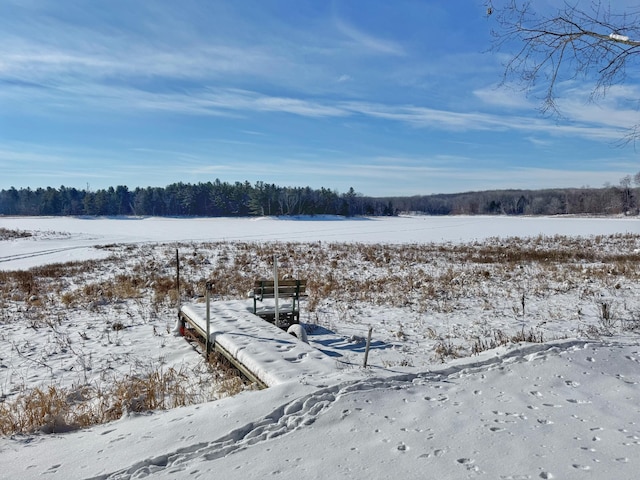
[(259, 349)]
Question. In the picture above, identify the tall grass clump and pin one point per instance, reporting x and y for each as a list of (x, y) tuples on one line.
[(57, 409), (11, 234)]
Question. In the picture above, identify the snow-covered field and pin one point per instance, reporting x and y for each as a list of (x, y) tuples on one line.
[(436, 401), (72, 238)]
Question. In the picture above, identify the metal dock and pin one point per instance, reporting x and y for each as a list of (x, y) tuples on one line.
[(263, 352)]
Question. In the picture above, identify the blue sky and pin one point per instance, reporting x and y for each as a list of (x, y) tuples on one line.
[(388, 97)]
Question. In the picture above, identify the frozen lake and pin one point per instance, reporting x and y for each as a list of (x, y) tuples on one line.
[(63, 239)]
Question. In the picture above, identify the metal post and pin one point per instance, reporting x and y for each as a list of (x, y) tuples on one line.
[(366, 351), (208, 339), (275, 290), (181, 323), (178, 278)]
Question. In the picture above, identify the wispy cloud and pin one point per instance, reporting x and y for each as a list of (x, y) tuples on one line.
[(221, 87), (504, 97), (539, 142), (584, 120), (422, 117), (230, 50), (116, 72), (619, 108), (108, 61), (48, 167), (367, 41)]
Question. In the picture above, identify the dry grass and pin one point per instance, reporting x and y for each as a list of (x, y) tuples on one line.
[(430, 281), (9, 234), (498, 339), (56, 409), (429, 277)]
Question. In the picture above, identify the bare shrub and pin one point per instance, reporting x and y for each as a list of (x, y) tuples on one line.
[(530, 336), (10, 234), (69, 299), (40, 409), (446, 349), (499, 338), (56, 409), (607, 321)]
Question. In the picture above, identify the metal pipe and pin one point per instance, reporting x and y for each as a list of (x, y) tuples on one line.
[(366, 351), (178, 278), (208, 339), (275, 290)]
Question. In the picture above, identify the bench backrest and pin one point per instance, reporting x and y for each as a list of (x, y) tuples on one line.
[(286, 288)]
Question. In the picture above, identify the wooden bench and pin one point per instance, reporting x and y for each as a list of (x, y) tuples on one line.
[(287, 288)]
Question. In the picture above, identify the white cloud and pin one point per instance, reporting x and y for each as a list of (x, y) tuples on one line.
[(368, 42), (617, 109), (422, 117), (583, 120), (197, 62), (504, 97), (539, 142)]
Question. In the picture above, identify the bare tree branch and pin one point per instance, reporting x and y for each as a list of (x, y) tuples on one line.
[(591, 42)]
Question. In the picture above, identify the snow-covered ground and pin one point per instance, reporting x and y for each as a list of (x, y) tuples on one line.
[(566, 408), (72, 238)]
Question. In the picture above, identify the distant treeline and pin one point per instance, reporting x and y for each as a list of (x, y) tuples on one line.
[(222, 199), (610, 200)]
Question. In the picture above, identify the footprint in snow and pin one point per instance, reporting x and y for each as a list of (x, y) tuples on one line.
[(468, 463)]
